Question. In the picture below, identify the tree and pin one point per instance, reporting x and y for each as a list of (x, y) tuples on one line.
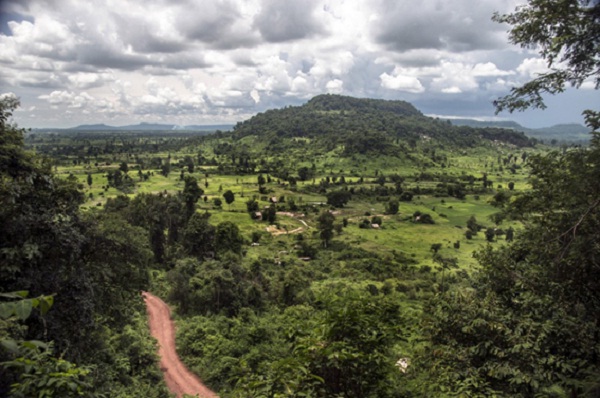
[(510, 234), (191, 194), (89, 180), (338, 198), (261, 180), (252, 208), (199, 237), (325, 226), (229, 197), (270, 214), (490, 234), (435, 247), (566, 33), (228, 238), (392, 207), (472, 225)]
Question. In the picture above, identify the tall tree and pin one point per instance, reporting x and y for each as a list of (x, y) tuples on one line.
[(325, 225), (191, 193), (229, 197)]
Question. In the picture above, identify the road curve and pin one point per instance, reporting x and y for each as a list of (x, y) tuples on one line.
[(178, 378)]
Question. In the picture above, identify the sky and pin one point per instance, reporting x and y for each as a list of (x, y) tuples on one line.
[(190, 62)]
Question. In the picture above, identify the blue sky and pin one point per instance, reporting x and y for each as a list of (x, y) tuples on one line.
[(221, 61)]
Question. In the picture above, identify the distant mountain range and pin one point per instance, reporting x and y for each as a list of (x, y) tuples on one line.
[(148, 127), (571, 132)]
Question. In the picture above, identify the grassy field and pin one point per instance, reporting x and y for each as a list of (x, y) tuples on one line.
[(398, 233)]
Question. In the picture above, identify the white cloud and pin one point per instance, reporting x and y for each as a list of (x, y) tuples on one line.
[(532, 67), (222, 60), (335, 86), (401, 83)]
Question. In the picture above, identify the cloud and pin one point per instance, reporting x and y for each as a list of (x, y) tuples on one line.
[(335, 86), (532, 67), (458, 26), (220, 24), (70, 99), (281, 21), (401, 83), (189, 61)]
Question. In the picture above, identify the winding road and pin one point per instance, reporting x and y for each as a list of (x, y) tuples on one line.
[(178, 378)]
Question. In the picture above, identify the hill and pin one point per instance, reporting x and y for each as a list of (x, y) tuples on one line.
[(367, 125)]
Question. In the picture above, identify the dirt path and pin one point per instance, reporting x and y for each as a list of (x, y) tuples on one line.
[(178, 378)]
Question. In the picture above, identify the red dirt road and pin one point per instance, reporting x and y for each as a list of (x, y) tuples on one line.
[(178, 378)]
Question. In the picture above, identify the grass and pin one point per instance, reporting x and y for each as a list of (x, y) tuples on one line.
[(398, 233)]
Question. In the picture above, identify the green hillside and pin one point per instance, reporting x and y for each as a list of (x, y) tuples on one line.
[(367, 125)]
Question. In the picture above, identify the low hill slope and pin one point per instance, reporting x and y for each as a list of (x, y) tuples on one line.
[(367, 125)]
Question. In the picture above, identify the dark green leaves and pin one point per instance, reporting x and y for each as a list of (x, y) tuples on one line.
[(22, 307)]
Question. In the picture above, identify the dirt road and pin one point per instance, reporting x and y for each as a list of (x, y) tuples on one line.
[(178, 378)]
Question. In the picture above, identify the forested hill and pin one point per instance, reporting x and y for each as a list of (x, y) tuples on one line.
[(329, 102), (367, 125)]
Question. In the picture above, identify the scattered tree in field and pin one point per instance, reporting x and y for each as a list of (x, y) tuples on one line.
[(472, 225), (229, 197), (270, 214), (423, 218), (89, 180), (325, 226), (435, 247), (392, 207), (252, 208), (217, 202), (338, 198), (261, 180)]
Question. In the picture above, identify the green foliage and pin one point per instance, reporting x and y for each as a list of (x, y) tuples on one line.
[(43, 375), (228, 238), (345, 349), (270, 214), (22, 307), (392, 207), (198, 237), (325, 226), (93, 265), (531, 325), (229, 197), (338, 198), (209, 287), (191, 194)]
